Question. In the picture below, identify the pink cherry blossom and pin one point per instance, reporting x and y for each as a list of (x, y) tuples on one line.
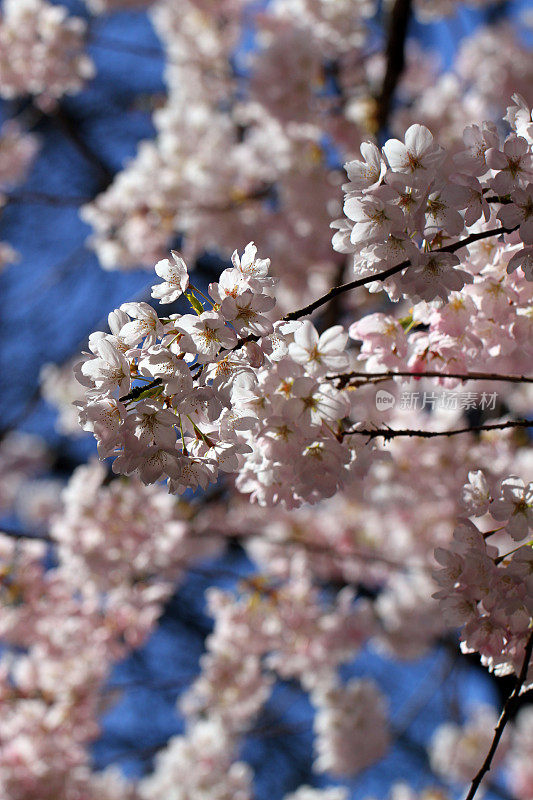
[(418, 157), (175, 279)]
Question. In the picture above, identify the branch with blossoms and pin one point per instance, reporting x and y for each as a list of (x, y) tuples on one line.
[(230, 388), (379, 276), (191, 388), (355, 378), (388, 273), (234, 385), (390, 433), (481, 590), (509, 708)]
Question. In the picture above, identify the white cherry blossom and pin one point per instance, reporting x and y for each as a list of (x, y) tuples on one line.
[(175, 279), (419, 157), (209, 333), (515, 504), (319, 354)]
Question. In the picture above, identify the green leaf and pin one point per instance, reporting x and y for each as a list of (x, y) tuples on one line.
[(153, 391), (195, 303)]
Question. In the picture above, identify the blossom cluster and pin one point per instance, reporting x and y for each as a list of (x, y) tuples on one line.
[(413, 192), (17, 151), (61, 390), (244, 141), (119, 552), (351, 726), (484, 327), (486, 592), (41, 51), (220, 402), (229, 389), (284, 629), (274, 405)]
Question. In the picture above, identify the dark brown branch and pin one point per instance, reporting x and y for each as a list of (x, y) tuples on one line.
[(392, 433), (135, 393), (331, 315), (260, 193), (377, 377), (508, 709), (381, 276), (395, 60), (501, 200), (426, 690), (345, 287)]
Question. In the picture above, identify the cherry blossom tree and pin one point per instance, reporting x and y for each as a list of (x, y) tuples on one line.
[(347, 398)]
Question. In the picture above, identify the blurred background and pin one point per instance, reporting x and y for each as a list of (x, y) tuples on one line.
[(458, 65)]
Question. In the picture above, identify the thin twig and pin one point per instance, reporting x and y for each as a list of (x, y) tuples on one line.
[(376, 377), (509, 707), (430, 684), (381, 276), (318, 548), (392, 433), (119, 45), (332, 313), (138, 390), (260, 193)]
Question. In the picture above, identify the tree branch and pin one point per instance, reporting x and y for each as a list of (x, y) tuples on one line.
[(381, 276), (345, 287), (395, 60), (138, 390), (377, 377), (260, 193), (509, 707), (392, 433)]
